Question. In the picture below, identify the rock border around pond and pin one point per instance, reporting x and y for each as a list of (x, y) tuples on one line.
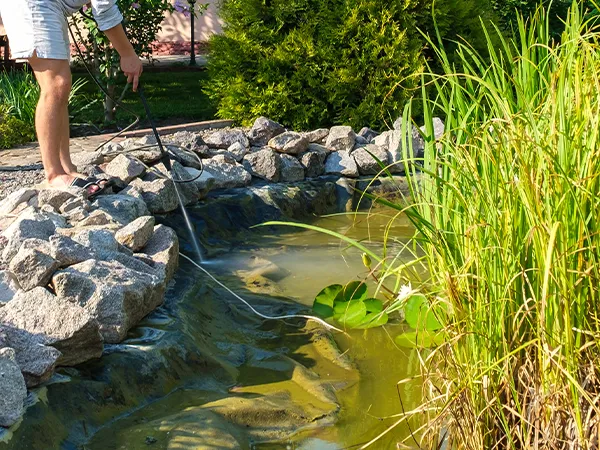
[(77, 274)]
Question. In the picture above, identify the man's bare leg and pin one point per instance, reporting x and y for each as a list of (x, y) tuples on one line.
[(51, 118)]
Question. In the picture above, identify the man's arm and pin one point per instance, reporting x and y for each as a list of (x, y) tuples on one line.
[(109, 20), (130, 62)]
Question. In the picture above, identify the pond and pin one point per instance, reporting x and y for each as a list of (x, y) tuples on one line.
[(204, 372)]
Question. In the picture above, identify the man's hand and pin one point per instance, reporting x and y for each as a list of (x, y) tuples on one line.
[(132, 68), (130, 62)]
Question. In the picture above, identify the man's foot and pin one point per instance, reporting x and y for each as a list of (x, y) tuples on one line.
[(67, 180)]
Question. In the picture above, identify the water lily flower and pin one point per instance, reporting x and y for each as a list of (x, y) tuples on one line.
[(405, 292)]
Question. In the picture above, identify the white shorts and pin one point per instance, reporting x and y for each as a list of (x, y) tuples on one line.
[(36, 26)]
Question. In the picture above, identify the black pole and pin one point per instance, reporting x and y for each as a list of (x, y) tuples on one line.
[(193, 49)]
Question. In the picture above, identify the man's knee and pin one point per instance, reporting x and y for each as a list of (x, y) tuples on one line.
[(57, 89), (54, 78)]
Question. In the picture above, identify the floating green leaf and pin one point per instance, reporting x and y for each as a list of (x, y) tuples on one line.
[(419, 314), (374, 305), (323, 304), (350, 314), (373, 320), (355, 290), (420, 339)]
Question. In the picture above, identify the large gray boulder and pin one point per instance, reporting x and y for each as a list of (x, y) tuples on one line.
[(204, 181), (185, 158), (317, 136), (8, 287), (117, 296), (159, 195), (12, 388), (122, 208), (263, 131), (33, 267), (367, 164), (163, 250), (313, 161), (264, 163), (125, 168), (136, 235), (56, 322), (148, 155), (36, 360), (101, 244), (226, 138), (187, 139), (56, 197), (190, 192), (28, 225), (67, 251), (341, 139), (227, 174), (291, 169), (341, 163), (289, 142)]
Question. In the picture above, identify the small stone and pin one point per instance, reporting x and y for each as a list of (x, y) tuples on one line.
[(136, 235), (204, 180), (263, 131), (76, 216), (392, 142), (313, 162), (50, 213), (289, 142), (238, 151), (125, 168), (83, 159), (185, 158), (74, 203), (341, 163), (186, 139), (159, 195), (265, 164), (291, 169), (12, 202), (341, 138), (360, 142), (56, 197), (367, 165), (317, 136), (122, 208), (226, 138), (8, 287), (32, 268), (12, 387), (58, 323), (97, 217), (368, 134), (112, 149)]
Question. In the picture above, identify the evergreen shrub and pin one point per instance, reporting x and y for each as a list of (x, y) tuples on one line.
[(310, 63)]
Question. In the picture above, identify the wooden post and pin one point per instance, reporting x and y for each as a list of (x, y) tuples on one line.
[(193, 31)]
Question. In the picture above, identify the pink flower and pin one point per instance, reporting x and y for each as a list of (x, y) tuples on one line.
[(135, 5), (85, 8)]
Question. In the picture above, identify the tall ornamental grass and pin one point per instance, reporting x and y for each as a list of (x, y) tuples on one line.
[(507, 209)]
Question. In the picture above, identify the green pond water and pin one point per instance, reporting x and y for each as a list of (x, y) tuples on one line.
[(203, 372)]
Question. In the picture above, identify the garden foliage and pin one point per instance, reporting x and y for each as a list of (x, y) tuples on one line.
[(309, 63)]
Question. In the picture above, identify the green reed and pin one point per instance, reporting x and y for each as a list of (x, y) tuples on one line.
[(507, 207)]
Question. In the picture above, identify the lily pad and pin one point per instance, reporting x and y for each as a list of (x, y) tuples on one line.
[(350, 314), (355, 290), (323, 304), (373, 320)]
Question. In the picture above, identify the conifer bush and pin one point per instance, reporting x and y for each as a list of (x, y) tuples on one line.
[(310, 63)]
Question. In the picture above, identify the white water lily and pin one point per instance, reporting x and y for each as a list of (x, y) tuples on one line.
[(405, 292)]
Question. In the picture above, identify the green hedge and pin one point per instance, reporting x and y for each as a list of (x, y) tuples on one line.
[(310, 63)]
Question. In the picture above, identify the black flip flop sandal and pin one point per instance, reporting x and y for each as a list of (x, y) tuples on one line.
[(86, 183)]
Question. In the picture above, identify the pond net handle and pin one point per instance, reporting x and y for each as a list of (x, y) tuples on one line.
[(166, 160)]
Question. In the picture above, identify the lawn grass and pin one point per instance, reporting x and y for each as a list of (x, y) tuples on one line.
[(173, 96)]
